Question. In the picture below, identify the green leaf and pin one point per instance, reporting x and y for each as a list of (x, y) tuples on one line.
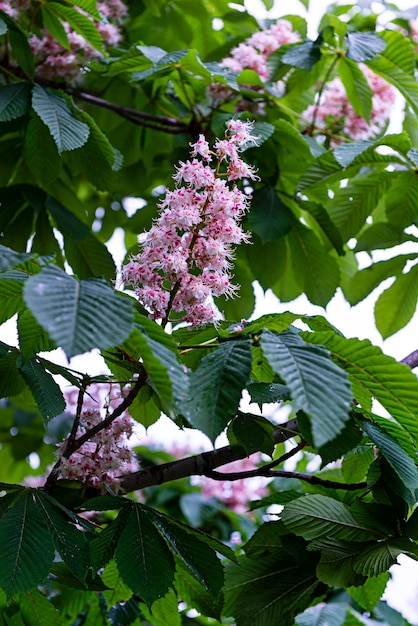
[(11, 300), (336, 566), (366, 280), (164, 611), (143, 558), (195, 594), (70, 543), (40, 152), (53, 23), (368, 595), (364, 46), (79, 316), (14, 101), (21, 50), (36, 610), (11, 381), (144, 408), (396, 306), (26, 548), (80, 23), (396, 65), (253, 433), (375, 374), (317, 516), (216, 387), (268, 217), (3, 27), (45, 390), (346, 153), (67, 131), (32, 337), (315, 268), (112, 579), (311, 376), (358, 89), (323, 615), (198, 557), (304, 55), (102, 547), (321, 215)]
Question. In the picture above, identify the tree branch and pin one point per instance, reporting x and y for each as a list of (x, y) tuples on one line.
[(411, 360), (198, 465)]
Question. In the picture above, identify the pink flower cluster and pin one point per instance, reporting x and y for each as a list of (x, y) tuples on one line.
[(254, 51), (186, 257), (55, 61), (335, 115), (103, 458)]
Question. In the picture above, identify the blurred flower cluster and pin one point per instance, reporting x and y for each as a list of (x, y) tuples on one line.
[(335, 115), (53, 60), (186, 257)]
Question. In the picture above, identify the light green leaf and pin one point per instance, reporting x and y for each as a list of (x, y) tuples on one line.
[(357, 88), (143, 558), (11, 300), (80, 23), (67, 131), (45, 390), (36, 610), (396, 306), (375, 374), (368, 595), (112, 579), (32, 337), (317, 516), (103, 546), (144, 409), (79, 316), (88, 5), (311, 377), (366, 280), (402, 199), (216, 387), (14, 101), (164, 611), (26, 548)]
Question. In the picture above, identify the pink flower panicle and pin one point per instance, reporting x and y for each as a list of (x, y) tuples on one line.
[(336, 115), (53, 60), (105, 457), (186, 257)]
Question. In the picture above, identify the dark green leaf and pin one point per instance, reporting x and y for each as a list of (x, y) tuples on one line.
[(364, 46), (253, 433), (67, 131), (21, 50), (311, 377), (36, 610), (79, 316), (323, 614), (143, 558), (216, 387), (53, 23), (26, 548), (47, 393), (14, 101), (269, 217), (304, 55)]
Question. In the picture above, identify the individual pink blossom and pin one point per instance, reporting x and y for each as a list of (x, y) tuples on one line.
[(336, 116), (186, 257)]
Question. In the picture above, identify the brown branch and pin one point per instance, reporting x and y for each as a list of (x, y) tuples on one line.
[(411, 360), (198, 465)]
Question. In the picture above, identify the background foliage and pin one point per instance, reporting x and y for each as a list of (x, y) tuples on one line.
[(336, 434)]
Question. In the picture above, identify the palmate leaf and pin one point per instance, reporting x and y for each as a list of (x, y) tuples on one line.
[(366, 280), (396, 306), (195, 553), (216, 386), (315, 268), (46, 392), (375, 374), (79, 316), (269, 590), (68, 132), (118, 591), (356, 86), (26, 548), (318, 387), (143, 558), (317, 516), (36, 610)]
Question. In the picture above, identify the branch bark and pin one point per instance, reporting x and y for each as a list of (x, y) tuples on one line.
[(198, 465)]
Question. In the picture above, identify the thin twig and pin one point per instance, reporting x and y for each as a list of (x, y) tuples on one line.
[(411, 360)]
